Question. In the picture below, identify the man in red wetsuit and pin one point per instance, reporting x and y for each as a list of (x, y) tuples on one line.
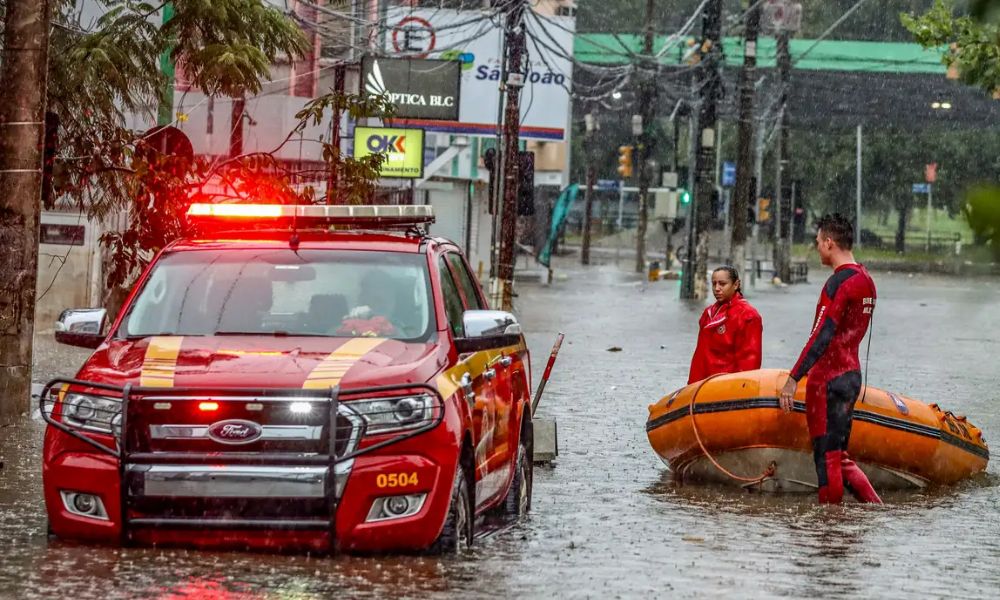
[(830, 358)]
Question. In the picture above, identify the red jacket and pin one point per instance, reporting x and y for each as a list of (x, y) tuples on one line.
[(729, 339)]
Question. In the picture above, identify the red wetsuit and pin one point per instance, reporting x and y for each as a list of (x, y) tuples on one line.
[(830, 358), (729, 336)]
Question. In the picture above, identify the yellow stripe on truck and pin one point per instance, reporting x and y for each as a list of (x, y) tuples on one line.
[(160, 362), (450, 381), (332, 369)]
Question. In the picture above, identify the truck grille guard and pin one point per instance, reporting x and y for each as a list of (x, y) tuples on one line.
[(344, 427)]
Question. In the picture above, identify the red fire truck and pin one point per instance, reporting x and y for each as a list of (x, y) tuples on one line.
[(327, 378)]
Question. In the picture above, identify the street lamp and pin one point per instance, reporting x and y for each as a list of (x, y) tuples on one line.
[(616, 95)]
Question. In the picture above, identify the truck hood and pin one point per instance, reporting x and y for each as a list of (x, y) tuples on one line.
[(262, 362)]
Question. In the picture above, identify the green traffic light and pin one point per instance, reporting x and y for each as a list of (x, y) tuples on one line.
[(685, 197)]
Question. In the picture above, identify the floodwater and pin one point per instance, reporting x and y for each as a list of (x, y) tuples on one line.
[(607, 521)]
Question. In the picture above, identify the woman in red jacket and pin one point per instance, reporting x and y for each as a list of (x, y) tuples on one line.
[(729, 332)]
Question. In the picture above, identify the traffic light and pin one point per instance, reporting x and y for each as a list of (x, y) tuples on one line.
[(684, 195), (625, 161), (763, 210)]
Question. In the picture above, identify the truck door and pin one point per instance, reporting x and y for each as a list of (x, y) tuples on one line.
[(498, 370), (481, 400)]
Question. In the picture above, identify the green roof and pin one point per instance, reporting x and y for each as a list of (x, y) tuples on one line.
[(828, 55)]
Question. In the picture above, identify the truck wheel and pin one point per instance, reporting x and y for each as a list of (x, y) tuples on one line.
[(518, 500), (458, 525)]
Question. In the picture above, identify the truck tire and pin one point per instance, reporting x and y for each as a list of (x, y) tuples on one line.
[(460, 522), (518, 500)]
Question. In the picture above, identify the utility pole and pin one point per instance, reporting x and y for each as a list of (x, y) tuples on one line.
[(744, 146), (23, 72), (780, 255), (857, 191), (588, 150), (511, 145), (339, 74), (165, 112), (758, 177), (647, 113), (695, 284), (236, 122)]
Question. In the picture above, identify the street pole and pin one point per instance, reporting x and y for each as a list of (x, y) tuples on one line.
[(647, 112), (236, 123), (781, 260), (165, 111), (710, 82), (687, 266), (777, 245), (755, 187), (857, 187), (676, 183), (621, 205), (930, 207), (790, 234), (23, 72), (339, 75), (511, 165), (588, 195), (745, 140)]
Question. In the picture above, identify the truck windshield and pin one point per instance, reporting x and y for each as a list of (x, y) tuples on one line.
[(281, 292)]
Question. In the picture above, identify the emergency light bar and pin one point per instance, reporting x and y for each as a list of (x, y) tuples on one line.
[(314, 214)]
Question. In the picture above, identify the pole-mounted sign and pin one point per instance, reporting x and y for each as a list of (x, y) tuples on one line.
[(782, 15), (403, 149), (420, 88), (930, 172)]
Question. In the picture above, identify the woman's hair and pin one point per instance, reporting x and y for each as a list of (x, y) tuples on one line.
[(734, 275)]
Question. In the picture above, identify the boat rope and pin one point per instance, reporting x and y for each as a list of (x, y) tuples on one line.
[(769, 472)]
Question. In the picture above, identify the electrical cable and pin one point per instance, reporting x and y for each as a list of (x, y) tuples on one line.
[(829, 30)]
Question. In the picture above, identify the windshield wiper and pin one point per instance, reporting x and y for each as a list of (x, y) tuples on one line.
[(139, 336), (271, 333)]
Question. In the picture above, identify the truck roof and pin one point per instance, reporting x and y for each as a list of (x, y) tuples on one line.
[(314, 240)]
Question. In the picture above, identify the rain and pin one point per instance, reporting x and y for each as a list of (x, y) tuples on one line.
[(315, 298)]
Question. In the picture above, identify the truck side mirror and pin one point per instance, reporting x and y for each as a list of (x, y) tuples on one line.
[(488, 330), (83, 327)]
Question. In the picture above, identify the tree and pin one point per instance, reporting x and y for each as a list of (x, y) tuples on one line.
[(983, 213), (972, 46), (97, 80), (161, 188), (22, 109)]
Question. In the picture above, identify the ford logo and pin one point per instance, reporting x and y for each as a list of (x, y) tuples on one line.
[(234, 431)]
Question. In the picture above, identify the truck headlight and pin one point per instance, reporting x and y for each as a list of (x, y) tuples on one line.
[(384, 415), (93, 413)]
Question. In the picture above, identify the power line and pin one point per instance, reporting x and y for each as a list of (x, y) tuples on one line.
[(829, 30)]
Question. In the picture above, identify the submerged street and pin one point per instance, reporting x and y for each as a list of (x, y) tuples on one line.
[(607, 521)]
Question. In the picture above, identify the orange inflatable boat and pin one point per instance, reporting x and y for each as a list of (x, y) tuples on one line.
[(729, 429)]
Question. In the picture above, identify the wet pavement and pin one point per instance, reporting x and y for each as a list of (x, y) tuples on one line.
[(607, 521)]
